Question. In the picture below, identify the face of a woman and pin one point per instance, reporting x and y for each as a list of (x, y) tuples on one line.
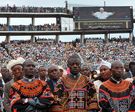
[(17, 71), (105, 72)]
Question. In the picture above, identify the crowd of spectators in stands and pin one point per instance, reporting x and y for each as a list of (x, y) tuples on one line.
[(48, 53), (45, 27), (44, 40), (32, 9)]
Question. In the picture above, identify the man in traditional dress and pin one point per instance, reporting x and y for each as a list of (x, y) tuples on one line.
[(116, 94), (42, 73), (30, 94), (74, 92), (86, 70), (53, 76)]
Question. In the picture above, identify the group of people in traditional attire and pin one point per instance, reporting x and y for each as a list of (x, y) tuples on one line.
[(42, 90)]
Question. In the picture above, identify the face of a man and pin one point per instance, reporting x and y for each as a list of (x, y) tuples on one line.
[(17, 71), (117, 70), (29, 69), (42, 71), (4, 69), (126, 66), (133, 69), (101, 10), (53, 73), (85, 71), (75, 66), (6, 75)]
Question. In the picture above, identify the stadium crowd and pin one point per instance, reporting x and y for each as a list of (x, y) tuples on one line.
[(67, 76), (47, 53), (30, 9), (45, 27), (44, 76)]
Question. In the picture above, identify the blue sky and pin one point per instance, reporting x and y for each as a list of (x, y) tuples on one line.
[(61, 3)]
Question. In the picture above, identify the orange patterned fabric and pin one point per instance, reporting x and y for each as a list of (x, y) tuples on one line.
[(69, 83), (123, 86), (32, 96), (76, 95), (29, 89), (117, 97), (56, 108)]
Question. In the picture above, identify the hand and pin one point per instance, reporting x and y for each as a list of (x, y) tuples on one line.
[(31, 102), (24, 100)]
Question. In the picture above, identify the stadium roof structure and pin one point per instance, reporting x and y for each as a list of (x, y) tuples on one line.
[(15, 33)]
